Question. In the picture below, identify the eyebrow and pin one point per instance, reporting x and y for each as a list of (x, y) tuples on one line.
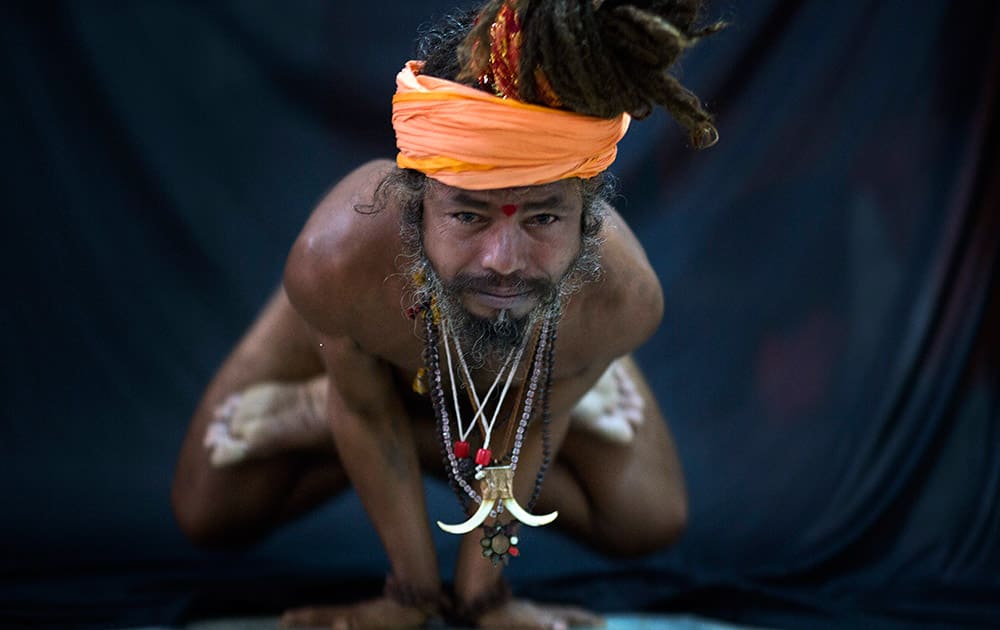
[(482, 204), (543, 204), (472, 202)]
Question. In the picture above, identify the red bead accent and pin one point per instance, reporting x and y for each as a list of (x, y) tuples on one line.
[(483, 457), (513, 551), (461, 449), (509, 209)]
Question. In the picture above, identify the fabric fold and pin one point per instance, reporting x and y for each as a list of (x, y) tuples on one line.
[(470, 139)]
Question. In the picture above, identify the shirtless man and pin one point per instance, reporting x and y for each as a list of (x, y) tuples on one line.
[(419, 313)]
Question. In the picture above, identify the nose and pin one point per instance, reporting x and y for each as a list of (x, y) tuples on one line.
[(504, 249)]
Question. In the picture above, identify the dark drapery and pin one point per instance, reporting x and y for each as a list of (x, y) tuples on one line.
[(828, 358)]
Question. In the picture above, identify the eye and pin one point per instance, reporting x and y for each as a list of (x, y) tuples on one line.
[(465, 217), (542, 219)]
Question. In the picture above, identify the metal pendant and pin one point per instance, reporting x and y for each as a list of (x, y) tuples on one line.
[(499, 543)]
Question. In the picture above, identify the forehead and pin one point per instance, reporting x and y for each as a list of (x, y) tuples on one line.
[(563, 191)]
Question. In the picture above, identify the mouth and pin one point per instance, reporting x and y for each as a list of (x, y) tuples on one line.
[(499, 299)]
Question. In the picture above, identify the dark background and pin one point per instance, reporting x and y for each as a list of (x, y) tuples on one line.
[(828, 359)]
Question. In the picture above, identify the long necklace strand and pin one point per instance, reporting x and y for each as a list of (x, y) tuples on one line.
[(458, 484), (529, 396), (481, 406), (546, 417), (541, 364), (463, 432)]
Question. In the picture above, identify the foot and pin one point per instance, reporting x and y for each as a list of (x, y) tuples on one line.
[(380, 612), (269, 418), (613, 408), (526, 615)]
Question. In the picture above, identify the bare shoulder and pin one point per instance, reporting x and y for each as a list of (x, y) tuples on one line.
[(624, 306), (631, 290), (345, 251)]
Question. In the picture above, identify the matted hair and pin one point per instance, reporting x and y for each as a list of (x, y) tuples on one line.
[(602, 58)]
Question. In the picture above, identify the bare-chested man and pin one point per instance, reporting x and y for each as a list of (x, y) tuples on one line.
[(474, 303)]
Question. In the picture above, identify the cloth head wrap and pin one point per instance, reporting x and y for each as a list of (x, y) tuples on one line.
[(470, 139)]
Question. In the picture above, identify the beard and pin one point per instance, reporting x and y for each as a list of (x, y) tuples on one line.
[(488, 341)]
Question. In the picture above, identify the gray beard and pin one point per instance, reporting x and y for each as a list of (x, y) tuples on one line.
[(486, 342)]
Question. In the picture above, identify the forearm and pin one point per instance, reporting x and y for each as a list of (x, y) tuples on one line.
[(477, 577), (378, 453)]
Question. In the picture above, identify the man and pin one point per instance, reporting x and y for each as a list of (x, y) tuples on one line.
[(475, 302)]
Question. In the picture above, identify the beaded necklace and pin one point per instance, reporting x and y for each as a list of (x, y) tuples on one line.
[(496, 480)]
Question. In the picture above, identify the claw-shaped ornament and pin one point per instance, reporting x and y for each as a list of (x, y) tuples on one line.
[(498, 487)]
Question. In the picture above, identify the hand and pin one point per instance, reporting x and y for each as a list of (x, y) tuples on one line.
[(380, 612), (526, 615)]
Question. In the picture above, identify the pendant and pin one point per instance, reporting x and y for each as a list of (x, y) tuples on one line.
[(499, 543), (498, 487)]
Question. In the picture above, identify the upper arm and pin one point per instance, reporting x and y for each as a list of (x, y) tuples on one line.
[(629, 296), (360, 383)]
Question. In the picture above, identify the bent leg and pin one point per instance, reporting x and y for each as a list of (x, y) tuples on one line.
[(235, 504), (621, 498)]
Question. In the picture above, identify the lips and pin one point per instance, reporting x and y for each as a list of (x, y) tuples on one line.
[(487, 293), (505, 293), (501, 299)]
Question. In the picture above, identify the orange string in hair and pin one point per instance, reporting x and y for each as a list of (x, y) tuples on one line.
[(470, 139)]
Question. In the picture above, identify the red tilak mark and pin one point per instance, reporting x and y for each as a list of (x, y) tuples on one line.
[(509, 209)]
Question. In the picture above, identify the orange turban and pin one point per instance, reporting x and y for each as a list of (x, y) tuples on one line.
[(470, 139)]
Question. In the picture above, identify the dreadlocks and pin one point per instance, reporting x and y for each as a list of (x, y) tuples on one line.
[(601, 58)]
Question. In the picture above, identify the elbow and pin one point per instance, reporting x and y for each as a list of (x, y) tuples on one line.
[(660, 525)]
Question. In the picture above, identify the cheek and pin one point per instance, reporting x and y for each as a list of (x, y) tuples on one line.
[(559, 255), (443, 252)]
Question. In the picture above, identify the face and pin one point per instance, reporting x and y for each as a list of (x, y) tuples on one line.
[(498, 260), (501, 253)]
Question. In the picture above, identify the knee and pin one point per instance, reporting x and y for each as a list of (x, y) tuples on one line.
[(654, 529), (204, 526)]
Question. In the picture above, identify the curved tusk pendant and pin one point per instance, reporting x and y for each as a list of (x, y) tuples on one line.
[(475, 521), (498, 486), (525, 517)]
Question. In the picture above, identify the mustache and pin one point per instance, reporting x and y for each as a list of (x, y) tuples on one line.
[(492, 282)]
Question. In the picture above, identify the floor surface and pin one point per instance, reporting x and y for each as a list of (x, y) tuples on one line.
[(618, 621)]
